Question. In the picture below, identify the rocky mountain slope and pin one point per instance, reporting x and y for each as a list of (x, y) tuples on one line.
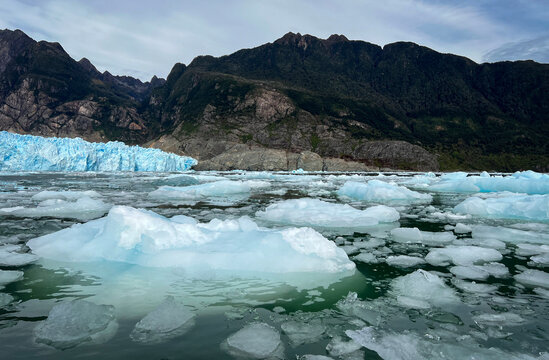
[(323, 104)]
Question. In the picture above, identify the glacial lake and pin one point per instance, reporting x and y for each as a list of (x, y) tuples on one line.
[(461, 281)]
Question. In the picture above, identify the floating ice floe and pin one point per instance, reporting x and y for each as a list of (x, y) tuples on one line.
[(508, 235), (382, 192), (169, 320), (534, 278), (416, 236), (256, 341), (404, 261), (11, 256), (528, 182), (527, 207), (71, 323), (462, 255), (36, 153), (216, 189), (84, 208), (68, 195), (303, 332), (9, 276), (422, 289), (5, 299), (410, 346), (473, 287), (219, 247), (315, 212)]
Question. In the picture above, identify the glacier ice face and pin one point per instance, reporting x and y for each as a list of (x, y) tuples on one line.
[(230, 247), (71, 323), (528, 182), (382, 192), (36, 153), (526, 207), (315, 212), (169, 320)]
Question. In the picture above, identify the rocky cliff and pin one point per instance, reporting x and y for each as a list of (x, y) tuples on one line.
[(335, 104)]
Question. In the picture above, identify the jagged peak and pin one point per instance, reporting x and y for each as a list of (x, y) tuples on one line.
[(87, 65)]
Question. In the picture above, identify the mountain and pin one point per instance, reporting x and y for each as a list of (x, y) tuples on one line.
[(297, 101), (43, 91)]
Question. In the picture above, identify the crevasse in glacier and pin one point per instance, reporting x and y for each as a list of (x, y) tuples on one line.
[(36, 153)]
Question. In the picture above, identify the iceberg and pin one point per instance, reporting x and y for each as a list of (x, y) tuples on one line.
[(525, 207), (232, 247), (382, 192), (528, 182), (462, 255), (36, 153), (216, 189), (315, 212)]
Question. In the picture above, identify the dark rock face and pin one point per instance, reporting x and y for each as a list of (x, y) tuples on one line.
[(43, 91), (332, 103)]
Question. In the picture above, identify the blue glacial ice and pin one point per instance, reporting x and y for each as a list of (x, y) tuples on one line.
[(528, 182), (36, 153), (219, 247)]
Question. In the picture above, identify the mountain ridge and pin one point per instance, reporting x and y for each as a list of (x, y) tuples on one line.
[(338, 98)]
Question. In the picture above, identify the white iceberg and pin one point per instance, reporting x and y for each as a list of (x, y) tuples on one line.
[(71, 323), (527, 207), (416, 236), (236, 246), (315, 212), (169, 320), (303, 332), (36, 153), (382, 192), (9, 276), (533, 278), (256, 341), (404, 261)]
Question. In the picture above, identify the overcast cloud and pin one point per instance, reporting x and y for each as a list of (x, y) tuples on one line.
[(144, 38)]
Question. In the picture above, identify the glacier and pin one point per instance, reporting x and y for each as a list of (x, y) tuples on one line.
[(36, 153)]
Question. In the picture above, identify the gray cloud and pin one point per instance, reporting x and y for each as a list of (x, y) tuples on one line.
[(534, 49), (146, 38)]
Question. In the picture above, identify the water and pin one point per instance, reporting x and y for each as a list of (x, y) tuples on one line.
[(225, 305)]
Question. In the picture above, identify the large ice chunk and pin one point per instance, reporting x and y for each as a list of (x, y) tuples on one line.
[(382, 192), (169, 320), (528, 207), (314, 212), (303, 332), (36, 153), (145, 238), (422, 289), (256, 341), (416, 236), (74, 322)]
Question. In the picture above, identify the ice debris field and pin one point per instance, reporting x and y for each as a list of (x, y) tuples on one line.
[(268, 265)]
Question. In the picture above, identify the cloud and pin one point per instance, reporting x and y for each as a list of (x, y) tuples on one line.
[(533, 49), (141, 38)]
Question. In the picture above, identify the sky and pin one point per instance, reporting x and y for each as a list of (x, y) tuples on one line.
[(146, 38)]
